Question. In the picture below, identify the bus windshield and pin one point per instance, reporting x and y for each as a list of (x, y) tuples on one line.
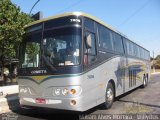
[(60, 47)]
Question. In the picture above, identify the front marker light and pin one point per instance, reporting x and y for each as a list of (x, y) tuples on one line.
[(57, 91), (65, 91)]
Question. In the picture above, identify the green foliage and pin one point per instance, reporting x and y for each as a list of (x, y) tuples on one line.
[(32, 50), (158, 57), (12, 22), (157, 61)]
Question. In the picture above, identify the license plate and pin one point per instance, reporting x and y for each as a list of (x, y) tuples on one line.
[(40, 101)]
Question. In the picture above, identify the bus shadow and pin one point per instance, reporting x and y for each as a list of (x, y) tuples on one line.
[(45, 113), (12, 101), (49, 114)]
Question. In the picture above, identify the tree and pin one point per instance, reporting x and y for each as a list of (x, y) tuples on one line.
[(12, 22), (158, 57), (157, 63)]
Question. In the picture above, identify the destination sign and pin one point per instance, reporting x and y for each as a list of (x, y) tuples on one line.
[(64, 21)]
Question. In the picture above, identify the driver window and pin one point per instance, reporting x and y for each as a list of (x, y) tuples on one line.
[(90, 51)]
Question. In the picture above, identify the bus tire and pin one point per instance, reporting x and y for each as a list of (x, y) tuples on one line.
[(109, 96), (145, 81)]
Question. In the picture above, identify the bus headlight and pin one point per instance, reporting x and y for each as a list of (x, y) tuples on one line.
[(57, 91), (65, 91)]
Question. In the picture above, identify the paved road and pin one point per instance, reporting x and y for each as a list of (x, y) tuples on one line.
[(139, 101)]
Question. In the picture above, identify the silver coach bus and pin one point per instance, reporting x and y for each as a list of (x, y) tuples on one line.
[(74, 61)]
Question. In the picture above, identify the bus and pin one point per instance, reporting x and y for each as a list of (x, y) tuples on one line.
[(74, 61)]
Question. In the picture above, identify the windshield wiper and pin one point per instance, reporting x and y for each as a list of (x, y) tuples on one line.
[(48, 63)]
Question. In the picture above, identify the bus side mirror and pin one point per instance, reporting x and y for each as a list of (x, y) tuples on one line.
[(89, 41)]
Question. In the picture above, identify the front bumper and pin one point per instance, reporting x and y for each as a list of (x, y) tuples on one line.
[(55, 103)]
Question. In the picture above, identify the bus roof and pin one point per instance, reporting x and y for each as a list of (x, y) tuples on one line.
[(80, 14)]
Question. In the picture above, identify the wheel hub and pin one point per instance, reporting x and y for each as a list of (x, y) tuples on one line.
[(109, 95)]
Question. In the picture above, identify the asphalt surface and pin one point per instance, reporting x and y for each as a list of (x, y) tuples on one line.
[(143, 101)]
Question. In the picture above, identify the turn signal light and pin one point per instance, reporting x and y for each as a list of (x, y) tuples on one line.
[(73, 91)]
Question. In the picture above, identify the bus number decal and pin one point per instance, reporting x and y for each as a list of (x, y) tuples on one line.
[(75, 20)]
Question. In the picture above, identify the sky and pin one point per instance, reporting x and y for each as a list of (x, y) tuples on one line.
[(139, 20)]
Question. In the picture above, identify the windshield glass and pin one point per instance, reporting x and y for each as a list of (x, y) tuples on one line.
[(30, 51), (62, 46)]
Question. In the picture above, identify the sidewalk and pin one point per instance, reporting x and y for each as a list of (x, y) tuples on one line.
[(8, 94)]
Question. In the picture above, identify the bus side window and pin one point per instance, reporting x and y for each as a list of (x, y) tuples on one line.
[(90, 48), (118, 43)]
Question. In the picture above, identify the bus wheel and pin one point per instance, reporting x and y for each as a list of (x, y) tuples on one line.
[(109, 96), (144, 82)]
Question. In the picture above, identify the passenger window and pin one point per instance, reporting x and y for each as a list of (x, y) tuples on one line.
[(118, 44), (148, 55), (129, 47), (135, 50), (141, 53), (105, 38), (138, 53)]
